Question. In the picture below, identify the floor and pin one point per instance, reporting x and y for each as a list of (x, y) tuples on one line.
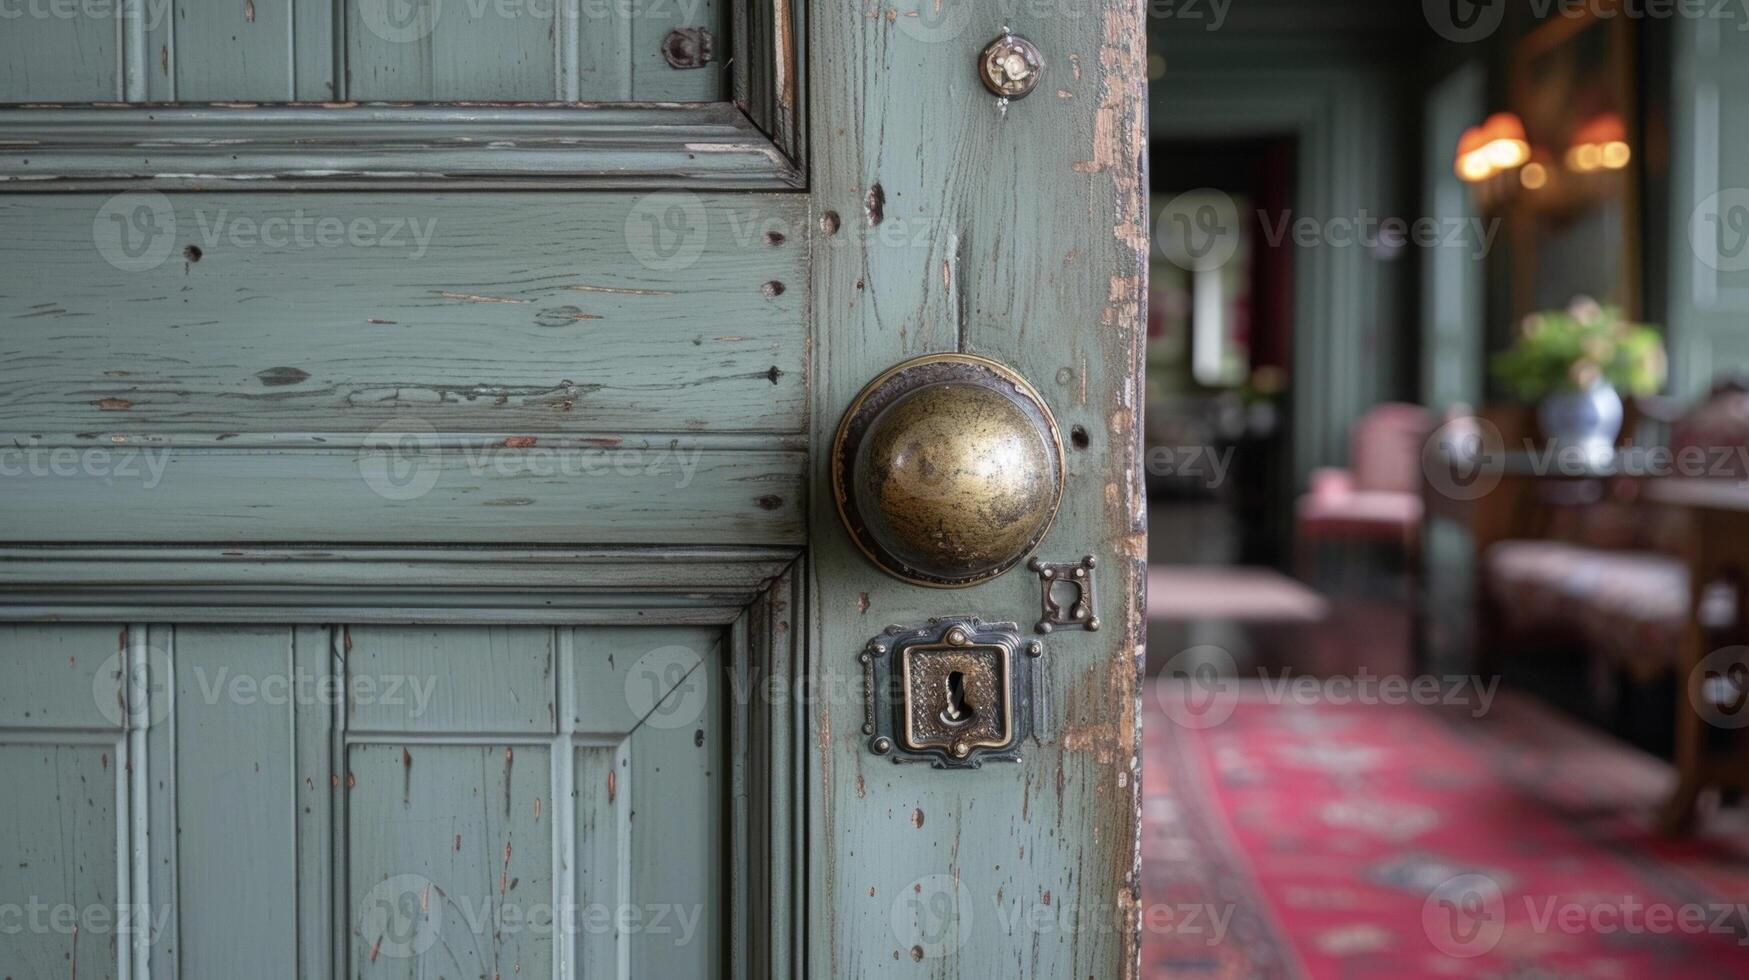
[(1327, 837), (1310, 813)]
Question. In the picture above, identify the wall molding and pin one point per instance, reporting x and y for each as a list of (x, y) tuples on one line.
[(381, 146), (609, 585)]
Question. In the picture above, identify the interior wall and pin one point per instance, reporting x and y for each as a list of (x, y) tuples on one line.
[(1709, 265), (1453, 286), (1333, 76)]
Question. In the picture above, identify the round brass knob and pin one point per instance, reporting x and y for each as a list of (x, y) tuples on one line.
[(947, 470)]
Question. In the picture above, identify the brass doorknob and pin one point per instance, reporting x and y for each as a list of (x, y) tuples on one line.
[(947, 470)]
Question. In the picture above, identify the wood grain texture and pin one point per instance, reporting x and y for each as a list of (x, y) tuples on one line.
[(337, 800), (64, 755), (235, 801), (374, 146), (1017, 234), (61, 859), (438, 52), (276, 50), (60, 59), (267, 313), (730, 574), (573, 497)]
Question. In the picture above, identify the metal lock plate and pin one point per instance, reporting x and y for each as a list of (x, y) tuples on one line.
[(954, 693), (1076, 577)]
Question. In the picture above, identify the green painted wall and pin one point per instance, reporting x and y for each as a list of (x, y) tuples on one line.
[(1708, 313), (1332, 79)]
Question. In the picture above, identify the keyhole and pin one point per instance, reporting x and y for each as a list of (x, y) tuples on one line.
[(956, 713)]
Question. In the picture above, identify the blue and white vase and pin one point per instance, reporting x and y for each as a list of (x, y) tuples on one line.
[(1588, 419)]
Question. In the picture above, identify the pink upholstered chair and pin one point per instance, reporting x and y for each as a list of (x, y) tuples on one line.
[(1378, 497)]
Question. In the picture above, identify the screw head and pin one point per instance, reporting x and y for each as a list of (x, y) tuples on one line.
[(1035, 649), (1011, 67), (961, 749), (883, 745), (957, 637)]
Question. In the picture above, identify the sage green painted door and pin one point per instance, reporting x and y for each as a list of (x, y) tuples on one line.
[(418, 555)]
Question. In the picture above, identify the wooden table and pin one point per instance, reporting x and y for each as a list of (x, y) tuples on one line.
[(1516, 499), (1717, 549)]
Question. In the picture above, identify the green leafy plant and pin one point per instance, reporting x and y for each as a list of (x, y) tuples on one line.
[(1575, 348)]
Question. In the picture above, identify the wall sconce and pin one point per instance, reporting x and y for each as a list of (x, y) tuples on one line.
[(1496, 146), (1601, 144)]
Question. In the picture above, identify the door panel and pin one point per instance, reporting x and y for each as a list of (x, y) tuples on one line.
[(62, 752), (499, 798), (64, 59), (1021, 237), (393, 50), (342, 313), (61, 855), (519, 412), (235, 802)]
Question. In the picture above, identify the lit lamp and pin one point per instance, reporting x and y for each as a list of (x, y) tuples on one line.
[(1601, 144), (1472, 158), (1507, 147), (1496, 146)]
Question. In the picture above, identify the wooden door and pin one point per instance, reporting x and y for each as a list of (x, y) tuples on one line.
[(418, 550)]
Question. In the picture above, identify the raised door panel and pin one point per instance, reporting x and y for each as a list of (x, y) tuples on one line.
[(329, 313), (236, 798), (60, 874), (368, 801), (64, 880), (67, 58), (272, 51)]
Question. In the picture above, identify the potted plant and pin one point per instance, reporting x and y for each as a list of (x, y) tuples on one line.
[(1576, 364)]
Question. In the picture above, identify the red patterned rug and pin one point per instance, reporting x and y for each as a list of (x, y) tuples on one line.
[(1323, 840)]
